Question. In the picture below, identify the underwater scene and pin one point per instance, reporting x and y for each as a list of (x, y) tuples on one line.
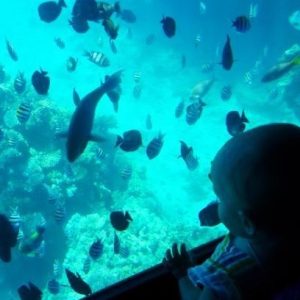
[(110, 116)]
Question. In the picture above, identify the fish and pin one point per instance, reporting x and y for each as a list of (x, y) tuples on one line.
[(20, 235), (11, 51), (137, 77), (197, 40), (86, 265), (235, 122), (201, 89), (49, 11), (154, 147), (113, 46), (40, 82), (100, 154), (126, 172), (15, 219), (280, 69), (227, 55), (179, 109), (98, 58), (20, 83), (207, 68), (253, 10), (78, 284), (12, 141), (71, 64), (56, 268), (110, 28), (187, 154), (60, 43), (79, 24), (128, 15), (105, 10), (226, 92), (117, 244), (202, 8), (96, 249), (208, 216), (30, 292), (149, 122), (87, 10), (242, 24), (120, 220), (131, 140), (183, 61), (169, 26), (193, 112), (60, 213), (81, 124), (53, 286), (248, 78), (8, 238), (23, 112), (137, 90), (150, 39)]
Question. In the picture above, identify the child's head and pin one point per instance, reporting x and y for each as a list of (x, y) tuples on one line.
[(256, 176)]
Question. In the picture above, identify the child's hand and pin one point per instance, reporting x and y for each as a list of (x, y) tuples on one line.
[(177, 262)]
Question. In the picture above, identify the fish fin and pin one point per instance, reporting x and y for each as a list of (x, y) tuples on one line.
[(76, 98), (118, 141), (62, 134), (244, 119), (112, 81), (96, 138), (128, 216)]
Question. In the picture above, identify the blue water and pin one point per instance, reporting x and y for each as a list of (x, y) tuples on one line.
[(163, 195)]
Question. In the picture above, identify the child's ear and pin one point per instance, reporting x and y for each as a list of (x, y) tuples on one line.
[(247, 223)]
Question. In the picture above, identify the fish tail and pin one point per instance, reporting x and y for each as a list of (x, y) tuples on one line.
[(119, 140), (62, 3), (112, 81), (244, 118), (128, 216)]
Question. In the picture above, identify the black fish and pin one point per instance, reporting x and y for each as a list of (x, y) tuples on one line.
[(150, 39), (30, 292), (208, 216), (242, 24), (40, 82), (8, 238), (11, 51), (169, 26), (110, 28), (227, 57), (86, 10), (154, 147), (50, 10), (186, 153), (128, 16), (53, 286), (71, 64), (79, 24), (149, 122), (120, 220), (20, 83), (226, 92), (106, 10), (96, 249), (81, 124), (23, 112), (77, 283), (131, 140), (193, 112), (117, 244), (235, 122), (179, 109), (60, 43)]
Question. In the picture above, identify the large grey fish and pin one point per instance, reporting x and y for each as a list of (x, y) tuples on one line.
[(81, 125)]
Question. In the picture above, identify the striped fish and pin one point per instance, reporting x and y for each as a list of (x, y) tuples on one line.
[(12, 141), (197, 40), (96, 249), (86, 265), (98, 58), (242, 23), (193, 112), (23, 112), (137, 77), (248, 78), (155, 145), (179, 108), (20, 83), (57, 268), (100, 154), (60, 213), (126, 172), (14, 218), (226, 92)]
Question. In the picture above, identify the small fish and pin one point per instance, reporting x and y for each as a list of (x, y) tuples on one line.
[(187, 154), (53, 286), (193, 112), (137, 77), (137, 90), (60, 213), (57, 269), (197, 40), (169, 26), (248, 78), (98, 58), (126, 172), (120, 220), (11, 51), (113, 46), (179, 109), (242, 24), (12, 141), (15, 219), (23, 112), (100, 154), (110, 28), (207, 68), (59, 43), (40, 82), (202, 8), (53, 196), (71, 64), (131, 140), (183, 61), (50, 10), (226, 92), (235, 122), (148, 122), (128, 16), (150, 39), (227, 56), (253, 10), (77, 283), (96, 249), (86, 265), (20, 83), (117, 244), (201, 89), (208, 216), (29, 292), (79, 24), (154, 147)]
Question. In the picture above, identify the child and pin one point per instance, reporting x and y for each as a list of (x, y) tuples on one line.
[(256, 178)]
